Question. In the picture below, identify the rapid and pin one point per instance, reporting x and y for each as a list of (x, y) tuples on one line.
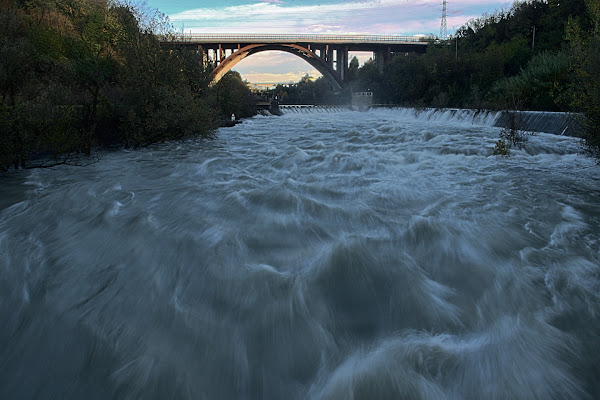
[(323, 254)]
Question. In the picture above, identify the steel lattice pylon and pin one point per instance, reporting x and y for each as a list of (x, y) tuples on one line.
[(444, 27)]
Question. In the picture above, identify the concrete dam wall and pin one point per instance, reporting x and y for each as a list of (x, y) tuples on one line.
[(539, 121)]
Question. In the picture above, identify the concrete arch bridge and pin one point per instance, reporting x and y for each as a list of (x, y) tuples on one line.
[(328, 54)]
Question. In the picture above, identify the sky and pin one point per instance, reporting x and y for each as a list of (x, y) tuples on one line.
[(374, 17)]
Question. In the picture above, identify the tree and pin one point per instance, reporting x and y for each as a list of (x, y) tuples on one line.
[(233, 96), (584, 51), (353, 69), (538, 85), (76, 74)]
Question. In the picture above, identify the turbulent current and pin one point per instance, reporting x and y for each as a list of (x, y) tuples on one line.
[(317, 255)]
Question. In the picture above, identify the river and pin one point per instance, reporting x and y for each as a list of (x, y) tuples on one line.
[(319, 255)]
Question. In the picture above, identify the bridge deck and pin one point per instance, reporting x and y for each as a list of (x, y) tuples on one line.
[(302, 38)]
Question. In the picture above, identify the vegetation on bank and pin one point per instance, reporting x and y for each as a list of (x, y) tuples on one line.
[(537, 55), (79, 74), (583, 37)]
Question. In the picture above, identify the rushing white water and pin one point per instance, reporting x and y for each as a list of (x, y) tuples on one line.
[(317, 255)]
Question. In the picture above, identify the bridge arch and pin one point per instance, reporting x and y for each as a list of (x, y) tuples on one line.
[(307, 55)]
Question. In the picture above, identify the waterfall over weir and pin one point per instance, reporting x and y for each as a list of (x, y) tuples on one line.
[(532, 121), (474, 117)]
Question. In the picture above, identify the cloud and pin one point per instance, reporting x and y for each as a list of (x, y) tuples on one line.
[(406, 17), (270, 60), (282, 77)]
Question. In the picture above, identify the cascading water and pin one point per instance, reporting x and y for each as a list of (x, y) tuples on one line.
[(317, 255)]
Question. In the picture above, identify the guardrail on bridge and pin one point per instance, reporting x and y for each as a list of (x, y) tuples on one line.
[(300, 38)]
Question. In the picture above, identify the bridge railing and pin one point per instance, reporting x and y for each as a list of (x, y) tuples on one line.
[(301, 38)]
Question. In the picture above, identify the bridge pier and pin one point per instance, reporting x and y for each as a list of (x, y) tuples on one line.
[(323, 53), (345, 62), (330, 55), (379, 59), (202, 56), (383, 55)]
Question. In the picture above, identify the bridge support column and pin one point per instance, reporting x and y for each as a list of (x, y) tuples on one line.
[(383, 55), (341, 61), (338, 62), (208, 56), (215, 56), (330, 56), (379, 59), (212, 56), (202, 57), (345, 62)]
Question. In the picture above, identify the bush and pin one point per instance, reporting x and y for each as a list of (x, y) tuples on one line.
[(537, 86)]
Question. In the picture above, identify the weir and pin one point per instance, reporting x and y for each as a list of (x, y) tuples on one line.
[(541, 121), (531, 121)]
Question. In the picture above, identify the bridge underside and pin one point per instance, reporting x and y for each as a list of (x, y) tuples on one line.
[(323, 64), (331, 60)]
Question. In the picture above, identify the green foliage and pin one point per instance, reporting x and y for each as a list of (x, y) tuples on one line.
[(353, 68), (510, 59), (501, 149), (38, 127), (584, 85), (233, 96), (537, 86), (308, 91), (511, 136), (152, 114), (76, 74)]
